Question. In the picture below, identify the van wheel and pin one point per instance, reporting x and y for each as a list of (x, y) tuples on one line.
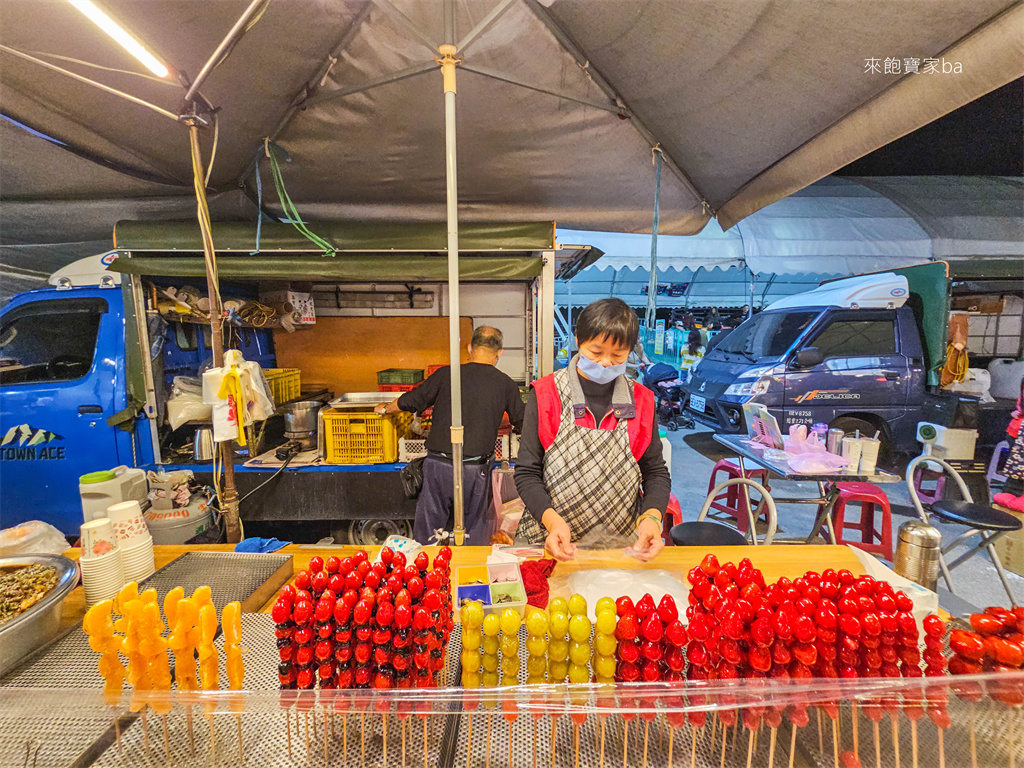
[(850, 425), (373, 533)]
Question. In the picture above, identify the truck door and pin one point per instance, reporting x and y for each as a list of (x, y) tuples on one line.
[(58, 359), (862, 368)]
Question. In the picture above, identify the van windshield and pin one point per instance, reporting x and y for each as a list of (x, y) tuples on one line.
[(767, 335)]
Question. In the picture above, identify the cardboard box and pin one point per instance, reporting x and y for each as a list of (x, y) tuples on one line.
[(985, 305), (1010, 546), (298, 301)]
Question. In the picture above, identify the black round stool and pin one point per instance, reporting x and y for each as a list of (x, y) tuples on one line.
[(706, 534)]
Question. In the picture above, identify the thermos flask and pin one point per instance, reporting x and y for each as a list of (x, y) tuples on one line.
[(917, 553), (834, 441)]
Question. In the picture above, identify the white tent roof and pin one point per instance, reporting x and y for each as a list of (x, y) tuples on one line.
[(845, 226)]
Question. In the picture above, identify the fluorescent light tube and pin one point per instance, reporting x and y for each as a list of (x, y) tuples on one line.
[(125, 40)]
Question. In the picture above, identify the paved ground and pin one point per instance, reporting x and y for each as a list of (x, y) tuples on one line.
[(694, 453)]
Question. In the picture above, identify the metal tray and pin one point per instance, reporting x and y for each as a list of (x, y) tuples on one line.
[(361, 399), (39, 624)]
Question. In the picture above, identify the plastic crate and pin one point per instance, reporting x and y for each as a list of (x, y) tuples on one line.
[(285, 383), (432, 369), (506, 448), (400, 376), (396, 387), (411, 448), (362, 436)]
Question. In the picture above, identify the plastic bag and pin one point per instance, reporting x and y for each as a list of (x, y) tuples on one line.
[(184, 408), (32, 538), (799, 440), (508, 507), (817, 463), (619, 576)]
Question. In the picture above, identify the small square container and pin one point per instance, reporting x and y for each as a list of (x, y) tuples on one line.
[(478, 592), (499, 573), (515, 590), (470, 574)]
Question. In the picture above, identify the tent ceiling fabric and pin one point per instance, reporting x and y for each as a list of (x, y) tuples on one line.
[(846, 225), (749, 100)]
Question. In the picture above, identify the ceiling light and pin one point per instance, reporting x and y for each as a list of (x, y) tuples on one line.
[(125, 40)]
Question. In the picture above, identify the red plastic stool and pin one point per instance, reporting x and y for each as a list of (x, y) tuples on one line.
[(673, 516), (733, 502), (868, 496)]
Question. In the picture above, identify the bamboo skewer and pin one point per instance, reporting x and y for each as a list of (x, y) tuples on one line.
[(671, 733), (771, 747), (576, 739), (554, 734), (647, 732), (287, 728), (213, 740), (835, 740), (326, 760), (725, 738), (856, 736), (792, 746), (602, 742), (362, 736), (145, 730), (192, 735), (167, 741), (625, 742), (384, 758), (750, 747), (403, 743), (487, 750), (714, 732), (424, 742), (974, 744), (821, 740), (510, 745), (913, 741), (693, 749), (306, 718), (117, 733), (895, 737), (878, 745), (942, 749)]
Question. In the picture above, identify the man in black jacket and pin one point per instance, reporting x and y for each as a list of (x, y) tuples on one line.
[(487, 395)]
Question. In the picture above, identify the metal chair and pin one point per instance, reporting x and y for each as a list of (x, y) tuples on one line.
[(981, 520), (707, 533)]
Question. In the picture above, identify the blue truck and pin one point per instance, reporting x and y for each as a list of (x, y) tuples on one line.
[(863, 352)]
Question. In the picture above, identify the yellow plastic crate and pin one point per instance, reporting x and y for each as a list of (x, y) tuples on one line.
[(285, 383), (363, 437)]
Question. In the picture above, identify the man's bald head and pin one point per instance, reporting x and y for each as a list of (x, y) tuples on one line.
[(486, 345)]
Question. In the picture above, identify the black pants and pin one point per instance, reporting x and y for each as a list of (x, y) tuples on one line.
[(435, 507)]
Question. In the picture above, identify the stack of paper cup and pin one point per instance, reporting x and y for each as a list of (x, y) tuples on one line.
[(134, 539), (101, 561)]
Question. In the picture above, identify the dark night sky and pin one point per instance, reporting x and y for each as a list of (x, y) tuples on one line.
[(983, 138)]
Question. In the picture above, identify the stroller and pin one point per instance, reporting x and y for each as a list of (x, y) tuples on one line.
[(664, 381)]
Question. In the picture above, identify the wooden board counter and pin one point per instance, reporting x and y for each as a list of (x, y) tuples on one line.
[(775, 561)]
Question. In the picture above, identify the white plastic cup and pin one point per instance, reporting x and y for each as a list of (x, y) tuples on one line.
[(129, 522), (98, 537), (869, 455), (851, 452)]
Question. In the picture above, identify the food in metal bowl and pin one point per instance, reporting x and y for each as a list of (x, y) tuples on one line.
[(22, 586)]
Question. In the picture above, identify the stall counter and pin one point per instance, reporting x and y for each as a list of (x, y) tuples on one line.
[(774, 562)]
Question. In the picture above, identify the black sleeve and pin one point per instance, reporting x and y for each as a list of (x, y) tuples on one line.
[(515, 407), (529, 474), (657, 483), (422, 397)]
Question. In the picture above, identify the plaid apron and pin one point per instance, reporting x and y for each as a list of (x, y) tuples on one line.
[(591, 474)]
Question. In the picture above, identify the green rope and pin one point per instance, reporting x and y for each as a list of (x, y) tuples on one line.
[(292, 212)]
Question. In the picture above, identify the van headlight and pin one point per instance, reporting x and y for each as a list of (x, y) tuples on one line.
[(753, 382), (749, 388)]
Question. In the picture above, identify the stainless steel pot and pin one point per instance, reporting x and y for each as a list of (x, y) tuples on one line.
[(300, 417), (204, 447)]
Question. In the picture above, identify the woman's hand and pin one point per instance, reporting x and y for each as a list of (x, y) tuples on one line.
[(559, 541), (649, 541)]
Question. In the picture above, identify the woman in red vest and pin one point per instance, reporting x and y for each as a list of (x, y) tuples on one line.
[(590, 465)]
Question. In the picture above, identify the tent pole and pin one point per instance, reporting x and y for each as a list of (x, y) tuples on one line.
[(229, 494), (652, 285), (447, 61)]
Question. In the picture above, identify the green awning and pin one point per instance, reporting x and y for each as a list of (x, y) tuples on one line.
[(358, 237), (400, 267), (986, 268)]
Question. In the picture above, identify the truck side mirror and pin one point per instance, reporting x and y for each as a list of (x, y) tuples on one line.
[(808, 357)]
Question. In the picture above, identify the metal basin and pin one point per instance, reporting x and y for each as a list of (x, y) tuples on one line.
[(361, 399), (37, 626)]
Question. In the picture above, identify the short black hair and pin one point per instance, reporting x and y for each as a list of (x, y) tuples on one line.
[(485, 337), (612, 318)]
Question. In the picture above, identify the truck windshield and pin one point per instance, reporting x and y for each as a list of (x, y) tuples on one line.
[(767, 335)]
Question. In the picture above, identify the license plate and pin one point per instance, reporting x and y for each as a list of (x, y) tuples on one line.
[(698, 403)]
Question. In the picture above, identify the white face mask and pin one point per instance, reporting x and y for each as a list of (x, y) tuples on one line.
[(599, 374)]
